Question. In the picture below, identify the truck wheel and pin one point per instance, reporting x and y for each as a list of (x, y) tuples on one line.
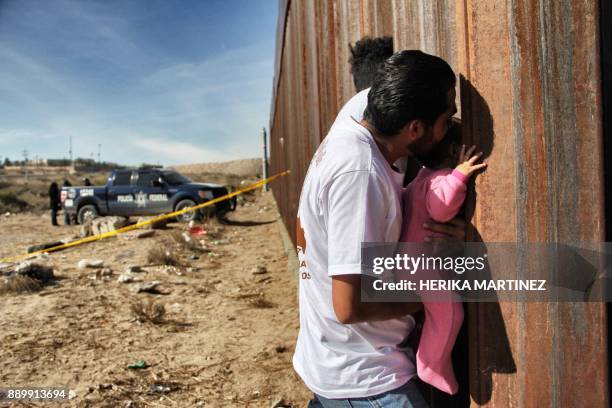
[(188, 216), (86, 213)]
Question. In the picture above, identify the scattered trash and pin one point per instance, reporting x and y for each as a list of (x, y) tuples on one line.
[(259, 270), (106, 272), (8, 214), (138, 365), (197, 231), (88, 263), (194, 257), (162, 388)]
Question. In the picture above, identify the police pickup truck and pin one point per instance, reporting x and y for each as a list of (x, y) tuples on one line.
[(145, 191)]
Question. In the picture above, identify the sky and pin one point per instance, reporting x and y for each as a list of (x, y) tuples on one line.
[(151, 81)]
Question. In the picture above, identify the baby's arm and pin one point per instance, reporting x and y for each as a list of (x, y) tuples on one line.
[(445, 196), (446, 193)]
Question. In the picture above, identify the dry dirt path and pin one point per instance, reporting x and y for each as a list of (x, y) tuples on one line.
[(226, 340)]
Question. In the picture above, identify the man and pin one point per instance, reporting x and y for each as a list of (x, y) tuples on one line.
[(367, 56), (348, 350), (67, 218), (54, 202)]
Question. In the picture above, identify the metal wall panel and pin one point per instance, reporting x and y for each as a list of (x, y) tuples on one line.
[(530, 96)]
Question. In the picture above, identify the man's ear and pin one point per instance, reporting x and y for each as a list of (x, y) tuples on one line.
[(415, 129)]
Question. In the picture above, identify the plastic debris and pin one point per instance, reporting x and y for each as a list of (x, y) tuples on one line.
[(138, 365)]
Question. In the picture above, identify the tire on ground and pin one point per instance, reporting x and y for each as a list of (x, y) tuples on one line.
[(188, 216)]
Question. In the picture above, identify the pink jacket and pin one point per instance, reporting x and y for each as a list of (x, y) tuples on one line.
[(436, 195)]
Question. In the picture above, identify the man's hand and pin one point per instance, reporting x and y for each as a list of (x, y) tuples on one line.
[(454, 230)]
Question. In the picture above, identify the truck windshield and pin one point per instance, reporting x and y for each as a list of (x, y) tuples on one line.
[(174, 179)]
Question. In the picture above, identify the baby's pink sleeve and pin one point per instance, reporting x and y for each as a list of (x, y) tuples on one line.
[(445, 195)]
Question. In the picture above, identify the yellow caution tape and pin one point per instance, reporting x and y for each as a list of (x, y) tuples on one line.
[(148, 222)]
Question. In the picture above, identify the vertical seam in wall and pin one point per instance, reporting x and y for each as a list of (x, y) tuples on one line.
[(520, 185), (467, 40), (474, 372), (552, 233), (277, 81)]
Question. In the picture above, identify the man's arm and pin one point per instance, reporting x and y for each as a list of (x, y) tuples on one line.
[(346, 298)]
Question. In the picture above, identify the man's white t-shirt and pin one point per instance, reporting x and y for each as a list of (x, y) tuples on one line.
[(350, 195)]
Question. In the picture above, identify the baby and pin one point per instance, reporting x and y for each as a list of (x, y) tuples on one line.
[(437, 193)]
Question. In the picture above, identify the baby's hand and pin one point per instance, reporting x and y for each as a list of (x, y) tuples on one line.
[(466, 161)]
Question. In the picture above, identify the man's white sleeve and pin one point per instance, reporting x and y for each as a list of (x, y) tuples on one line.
[(357, 207)]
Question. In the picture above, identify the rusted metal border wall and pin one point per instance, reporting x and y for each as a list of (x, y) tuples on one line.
[(530, 96)]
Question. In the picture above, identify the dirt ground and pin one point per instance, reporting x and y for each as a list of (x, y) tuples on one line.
[(226, 339)]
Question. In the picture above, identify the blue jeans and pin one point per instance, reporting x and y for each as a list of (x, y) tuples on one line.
[(406, 396)]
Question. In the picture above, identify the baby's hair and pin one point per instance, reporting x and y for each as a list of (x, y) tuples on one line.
[(446, 152)]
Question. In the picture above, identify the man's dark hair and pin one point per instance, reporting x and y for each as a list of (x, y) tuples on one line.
[(411, 85), (367, 56)]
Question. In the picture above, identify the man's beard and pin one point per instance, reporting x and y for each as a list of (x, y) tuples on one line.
[(424, 145)]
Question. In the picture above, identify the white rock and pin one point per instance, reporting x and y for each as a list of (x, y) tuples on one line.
[(125, 278), (89, 263)]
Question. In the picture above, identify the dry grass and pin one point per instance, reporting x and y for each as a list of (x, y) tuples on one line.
[(159, 255), (149, 312), (19, 193), (10, 201), (20, 284)]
